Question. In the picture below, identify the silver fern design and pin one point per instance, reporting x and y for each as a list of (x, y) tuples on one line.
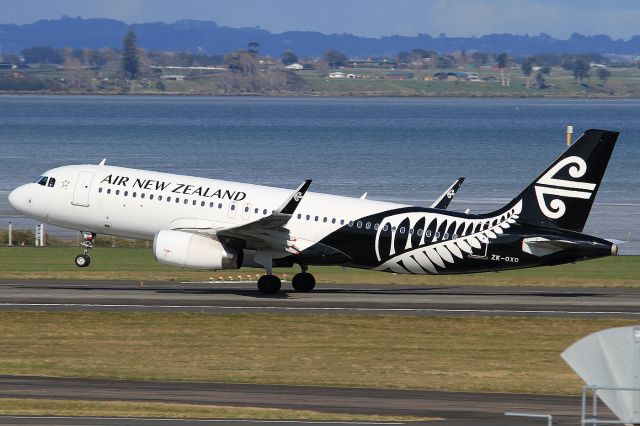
[(430, 242)]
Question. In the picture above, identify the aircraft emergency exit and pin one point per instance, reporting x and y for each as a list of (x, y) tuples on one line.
[(213, 224)]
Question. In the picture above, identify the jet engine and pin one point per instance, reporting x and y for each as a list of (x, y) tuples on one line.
[(189, 250)]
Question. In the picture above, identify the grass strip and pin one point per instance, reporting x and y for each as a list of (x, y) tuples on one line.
[(63, 407), (139, 264), (520, 355)]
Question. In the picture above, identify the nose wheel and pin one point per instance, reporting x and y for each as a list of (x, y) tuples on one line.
[(83, 260)]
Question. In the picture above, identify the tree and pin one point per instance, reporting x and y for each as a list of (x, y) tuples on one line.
[(253, 47), (130, 56), (540, 81), (288, 57), (581, 70), (527, 68), (503, 62), (603, 75), (335, 58), (479, 58), (42, 55)]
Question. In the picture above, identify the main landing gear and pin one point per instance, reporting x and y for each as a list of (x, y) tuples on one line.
[(83, 260), (303, 282)]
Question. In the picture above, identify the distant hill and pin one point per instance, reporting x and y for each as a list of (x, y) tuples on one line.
[(191, 36)]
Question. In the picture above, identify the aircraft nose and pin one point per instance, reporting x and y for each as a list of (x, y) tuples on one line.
[(19, 198)]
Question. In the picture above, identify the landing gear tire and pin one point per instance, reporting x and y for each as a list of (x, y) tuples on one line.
[(303, 282), (269, 284), (82, 260)]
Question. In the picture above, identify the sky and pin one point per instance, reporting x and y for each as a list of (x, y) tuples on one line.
[(371, 18)]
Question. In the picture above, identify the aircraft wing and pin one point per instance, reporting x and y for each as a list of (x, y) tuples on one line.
[(270, 230), (443, 201)]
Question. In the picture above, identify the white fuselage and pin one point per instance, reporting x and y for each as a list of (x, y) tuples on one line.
[(138, 203)]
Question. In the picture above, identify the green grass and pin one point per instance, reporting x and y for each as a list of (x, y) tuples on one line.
[(624, 82), (60, 407), (139, 264), (462, 354)]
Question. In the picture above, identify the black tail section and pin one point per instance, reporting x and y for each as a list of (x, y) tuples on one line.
[(562, 196)]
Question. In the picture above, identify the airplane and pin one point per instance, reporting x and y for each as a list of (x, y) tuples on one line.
[(213, 224)]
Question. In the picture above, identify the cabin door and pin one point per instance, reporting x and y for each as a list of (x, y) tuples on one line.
[(83, 189)]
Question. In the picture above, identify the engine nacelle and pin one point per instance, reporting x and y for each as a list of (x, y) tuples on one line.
[(189, 250)]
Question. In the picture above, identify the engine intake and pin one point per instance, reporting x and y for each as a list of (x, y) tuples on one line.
[(189, 250)]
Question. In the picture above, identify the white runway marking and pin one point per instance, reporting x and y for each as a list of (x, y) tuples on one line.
[(326, 308), (147, 419)]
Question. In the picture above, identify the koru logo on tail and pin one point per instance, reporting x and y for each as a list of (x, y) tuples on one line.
[(548, 184)]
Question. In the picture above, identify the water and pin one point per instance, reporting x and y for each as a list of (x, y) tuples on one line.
[(396, 149)]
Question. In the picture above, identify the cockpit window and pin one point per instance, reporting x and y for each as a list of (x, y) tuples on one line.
[(46, 181)]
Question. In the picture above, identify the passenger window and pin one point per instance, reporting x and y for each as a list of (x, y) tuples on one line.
[(359, 224), (108, 190), (202, 204), (151, 196), (99, 189), (52, 182), (246, 209), (393, 228), (211, 204), (428, 234), (177, 200), (168, 199), (299, 215), (233, 206), (255, 211), (419, 232), (333, 220), (437, 235), (324, 220), (385, 228), (368, 225), (264, 211), (402, 229), (117, 192), (317, 218), (350, 223), (446, 236), (219, 205), (159, 197), (455, 236), (341, 221), (308, 217), (126, 193), (411, 231), (186, 201), (376, 226), (142, 195), (133, 195)]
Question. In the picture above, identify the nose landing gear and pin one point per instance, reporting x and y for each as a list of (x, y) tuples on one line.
[(83, 260)]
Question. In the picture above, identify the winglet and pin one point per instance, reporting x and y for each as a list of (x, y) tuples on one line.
[(443, 201), (104, 160), (290, 205)]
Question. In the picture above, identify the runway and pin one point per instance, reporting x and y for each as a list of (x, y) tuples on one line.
[(456, 408), (325, 299)]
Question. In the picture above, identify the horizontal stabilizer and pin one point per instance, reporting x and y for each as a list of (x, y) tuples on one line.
[(539, 246)]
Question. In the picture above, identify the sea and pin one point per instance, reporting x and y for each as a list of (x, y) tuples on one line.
[(405, 150)]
